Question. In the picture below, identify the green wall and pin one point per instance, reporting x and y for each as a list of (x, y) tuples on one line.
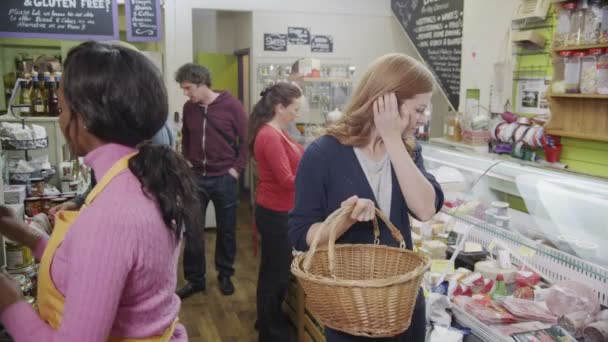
[(224, 71), (583, 156)]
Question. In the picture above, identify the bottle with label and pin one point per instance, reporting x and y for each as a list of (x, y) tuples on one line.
[(25, 98), (52, 100), (37, 101), (57, 79)]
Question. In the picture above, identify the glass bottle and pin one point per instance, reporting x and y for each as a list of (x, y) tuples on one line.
[(37, 100), (593, 23), (501, 287), (573, 72), (602, 73), (577, 24), (588, 82), (52, 100), (604, 27), (25, 98), (563, 24)]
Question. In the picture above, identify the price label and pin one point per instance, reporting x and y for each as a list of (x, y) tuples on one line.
[(526, 252), (441, 266), (492, 245)]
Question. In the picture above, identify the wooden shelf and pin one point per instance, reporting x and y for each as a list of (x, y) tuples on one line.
[(577, 135), (573, 117), (581, 47), (582, 96)]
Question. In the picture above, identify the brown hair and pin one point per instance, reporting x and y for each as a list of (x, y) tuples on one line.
[(263, 112), (394, 72)]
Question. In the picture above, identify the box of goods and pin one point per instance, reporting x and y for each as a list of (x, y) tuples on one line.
[(14, 194), (475, 137), (18, 209)]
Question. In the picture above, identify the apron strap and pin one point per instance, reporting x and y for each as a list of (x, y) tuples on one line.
[(117, 168)]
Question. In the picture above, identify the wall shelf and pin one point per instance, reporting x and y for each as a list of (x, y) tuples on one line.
[(580, 47), (581, 96), (577, 135), (579, 116)]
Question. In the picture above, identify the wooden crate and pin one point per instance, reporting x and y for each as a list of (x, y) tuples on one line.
[(308, 328)]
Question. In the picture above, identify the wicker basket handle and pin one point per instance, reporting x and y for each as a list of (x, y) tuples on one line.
[(333, 221)]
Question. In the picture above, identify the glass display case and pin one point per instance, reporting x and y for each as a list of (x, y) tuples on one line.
[(552, 222)]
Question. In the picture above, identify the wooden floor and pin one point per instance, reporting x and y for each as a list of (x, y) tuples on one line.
[(210, 316)]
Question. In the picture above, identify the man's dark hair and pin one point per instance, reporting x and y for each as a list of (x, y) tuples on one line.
[(193, 73)]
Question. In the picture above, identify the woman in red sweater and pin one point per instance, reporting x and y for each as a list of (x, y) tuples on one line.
[(277, 156)]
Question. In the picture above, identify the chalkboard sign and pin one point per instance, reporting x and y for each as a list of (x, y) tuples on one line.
[(435, 28), (275, 42), (143, 20), (59, 19), (298, 35), (322, 43)]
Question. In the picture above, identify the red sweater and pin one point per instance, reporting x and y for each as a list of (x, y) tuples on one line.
[(277, 162)]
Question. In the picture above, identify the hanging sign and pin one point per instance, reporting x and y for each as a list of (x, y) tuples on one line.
[(144, 22), (275, 42), (322, 43), (298, 35)]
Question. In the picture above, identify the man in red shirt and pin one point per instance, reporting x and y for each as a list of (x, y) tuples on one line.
[(213, 135)]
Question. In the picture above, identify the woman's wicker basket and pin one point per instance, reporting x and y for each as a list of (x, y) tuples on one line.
[(364, 289)]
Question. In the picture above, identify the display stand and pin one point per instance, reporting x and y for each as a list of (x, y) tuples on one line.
[(25, 145)]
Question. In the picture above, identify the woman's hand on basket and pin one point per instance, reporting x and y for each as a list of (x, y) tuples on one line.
[(363, 209)]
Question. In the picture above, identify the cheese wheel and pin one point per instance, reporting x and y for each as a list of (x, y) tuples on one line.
[(490, 269)]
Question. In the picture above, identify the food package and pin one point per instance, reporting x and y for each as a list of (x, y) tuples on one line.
[(525, 278), (528, 310), (596, 332), (485, 310), (18, 210), (38, 132), (14, 194), (435, 249), (488, 286), (522, 327), (437, 305), (442, 334), (570, 296), (490, 269), (525, 292), (575, 322), (461, 290), (473, 280)]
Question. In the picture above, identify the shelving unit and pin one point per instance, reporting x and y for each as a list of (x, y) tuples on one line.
[(579, 116), (581, 96), (580, 47)]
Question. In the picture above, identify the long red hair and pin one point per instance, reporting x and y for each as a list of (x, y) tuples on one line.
[(391, 73)]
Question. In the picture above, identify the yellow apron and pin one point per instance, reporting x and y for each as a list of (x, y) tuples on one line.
[(50, 300)]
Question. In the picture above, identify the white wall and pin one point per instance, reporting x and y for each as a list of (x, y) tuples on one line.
[(220, 31), (179, 26), (357, 39), (485, 31)]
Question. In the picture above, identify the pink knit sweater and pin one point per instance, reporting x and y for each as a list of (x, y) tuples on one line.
[(117, 267)]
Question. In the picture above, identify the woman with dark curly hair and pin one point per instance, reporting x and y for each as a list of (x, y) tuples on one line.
[(108, 272)]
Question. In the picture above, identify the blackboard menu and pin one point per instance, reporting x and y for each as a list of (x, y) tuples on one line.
[(435, 28), (275, 42), (298, 35), (143, 20), (59, 19), (322, 43)]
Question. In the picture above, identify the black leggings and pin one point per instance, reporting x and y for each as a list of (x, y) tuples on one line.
[(273, 279), (415, 333)]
